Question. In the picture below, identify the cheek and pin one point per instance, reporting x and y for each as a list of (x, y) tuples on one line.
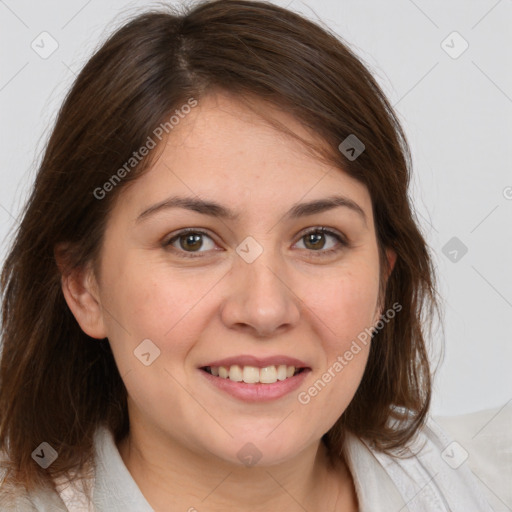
[(159, 307), (148, 298), (152, 302), (346, 346), (346, 303), (345, 306)]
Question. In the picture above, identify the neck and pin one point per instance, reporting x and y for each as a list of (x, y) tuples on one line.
[(170, 476)]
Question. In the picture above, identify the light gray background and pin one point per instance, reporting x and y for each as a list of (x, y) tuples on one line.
[(457, 113)]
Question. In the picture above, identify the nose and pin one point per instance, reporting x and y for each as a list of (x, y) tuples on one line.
[(260, 301)]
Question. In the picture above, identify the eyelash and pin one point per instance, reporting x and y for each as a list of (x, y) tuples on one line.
[(343, 243)]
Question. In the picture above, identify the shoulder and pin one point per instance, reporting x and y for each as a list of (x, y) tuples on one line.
[(451, 465), (16, 498), (12, 495), (482, 440)]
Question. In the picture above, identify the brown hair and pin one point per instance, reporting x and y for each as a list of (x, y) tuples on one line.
[(56, 383)]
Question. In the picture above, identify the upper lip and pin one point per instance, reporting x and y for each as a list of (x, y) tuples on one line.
[(259, 362)]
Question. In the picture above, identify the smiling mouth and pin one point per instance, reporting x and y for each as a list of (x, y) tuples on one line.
[(253, 374)]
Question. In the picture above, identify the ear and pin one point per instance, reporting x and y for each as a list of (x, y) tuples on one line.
[(81, 293), (391, 258)]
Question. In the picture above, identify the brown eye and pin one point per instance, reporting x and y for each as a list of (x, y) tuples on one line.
[(189, 241), (315, 241)]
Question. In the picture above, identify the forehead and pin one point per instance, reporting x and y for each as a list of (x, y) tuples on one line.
[(225, 151)]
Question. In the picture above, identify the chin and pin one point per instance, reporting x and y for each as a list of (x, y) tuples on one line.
[(263, 450)]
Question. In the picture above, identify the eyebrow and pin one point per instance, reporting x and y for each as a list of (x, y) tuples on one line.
[(217, 210)]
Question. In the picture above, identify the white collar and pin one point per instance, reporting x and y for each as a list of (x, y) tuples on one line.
[(421, 482), (424, 482)]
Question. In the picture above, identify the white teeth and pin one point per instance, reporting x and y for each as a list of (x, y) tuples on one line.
[(253, 374), (235, 373), (281, 372), (268, 375)]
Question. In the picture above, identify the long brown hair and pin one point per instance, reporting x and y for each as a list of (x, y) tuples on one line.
[(56, 383)]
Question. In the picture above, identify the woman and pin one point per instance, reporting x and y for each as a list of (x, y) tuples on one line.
[(218, 296)]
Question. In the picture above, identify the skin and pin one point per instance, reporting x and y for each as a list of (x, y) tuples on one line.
[(185, 433)]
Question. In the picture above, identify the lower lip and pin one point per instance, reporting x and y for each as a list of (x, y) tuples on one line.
[(257, 392)]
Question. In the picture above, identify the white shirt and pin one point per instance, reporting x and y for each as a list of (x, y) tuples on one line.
[(467, 471)]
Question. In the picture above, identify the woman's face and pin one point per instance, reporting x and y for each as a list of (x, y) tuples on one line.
[(250, 292)]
